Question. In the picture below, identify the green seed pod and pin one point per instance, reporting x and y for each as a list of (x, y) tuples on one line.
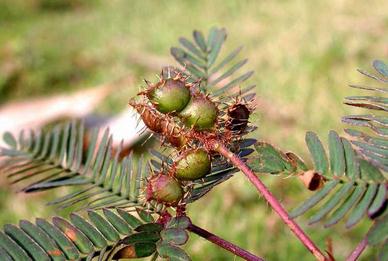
[(171, 95), (200, 113), (192, 164), (164, 189)]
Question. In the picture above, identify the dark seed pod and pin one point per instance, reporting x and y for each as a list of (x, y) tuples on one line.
[(192, 164), (238, 116), (170, 95), (200, 113), (312, 180), (164, 189)]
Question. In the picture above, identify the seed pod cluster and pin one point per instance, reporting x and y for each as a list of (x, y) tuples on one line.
[(167, 187), (176, 96), (186, 118)]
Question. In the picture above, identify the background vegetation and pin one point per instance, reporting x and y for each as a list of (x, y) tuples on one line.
[(304, 55)]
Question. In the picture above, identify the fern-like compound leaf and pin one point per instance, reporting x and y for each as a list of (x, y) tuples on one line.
[(358, 187), (102, 235), (200, 58), (353, 187), (57, 157), (360, 163), (352, 170), (372, 144)]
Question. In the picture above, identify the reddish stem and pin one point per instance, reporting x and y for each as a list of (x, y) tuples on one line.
[(223, 243), (275, 204), (358, 250)]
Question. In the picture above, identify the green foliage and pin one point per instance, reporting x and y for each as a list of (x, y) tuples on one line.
[(104, 234), (270, 160), (353, 183), (100, 234), (199, 58), (56, 157), (356, 184), (372, 146), (360, 186), (355, 169)]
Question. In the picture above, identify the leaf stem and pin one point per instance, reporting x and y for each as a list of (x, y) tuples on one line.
[(223, 243), (275, 204), (358, 250)]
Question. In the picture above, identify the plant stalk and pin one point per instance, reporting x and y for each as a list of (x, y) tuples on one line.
[(275, 204), (358, 250), (223, 243)]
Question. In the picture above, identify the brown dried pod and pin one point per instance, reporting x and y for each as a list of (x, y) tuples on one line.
[(160, 123), (312, 180)]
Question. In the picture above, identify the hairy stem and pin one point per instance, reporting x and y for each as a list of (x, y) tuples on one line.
[(358, 250), (275, 204), (223, 243)]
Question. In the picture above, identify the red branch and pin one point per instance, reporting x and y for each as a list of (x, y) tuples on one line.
[(275, 204), (358, 250), (223, 243)]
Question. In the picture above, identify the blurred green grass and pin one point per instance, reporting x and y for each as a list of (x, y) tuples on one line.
[(304, 54)]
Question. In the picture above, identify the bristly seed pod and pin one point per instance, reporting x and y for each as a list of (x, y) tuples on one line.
[(192, 164), (200, 113), (160, 124), (238, 116), (169, 95), (164, 189)]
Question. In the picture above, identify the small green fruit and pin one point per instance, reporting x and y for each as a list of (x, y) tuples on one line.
[(164, 189), (193, 164), (200, 113), (170, 96)]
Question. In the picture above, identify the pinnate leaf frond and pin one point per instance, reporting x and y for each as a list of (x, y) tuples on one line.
[(100, 234), (352, 170), (217, 76), (58, 157)]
